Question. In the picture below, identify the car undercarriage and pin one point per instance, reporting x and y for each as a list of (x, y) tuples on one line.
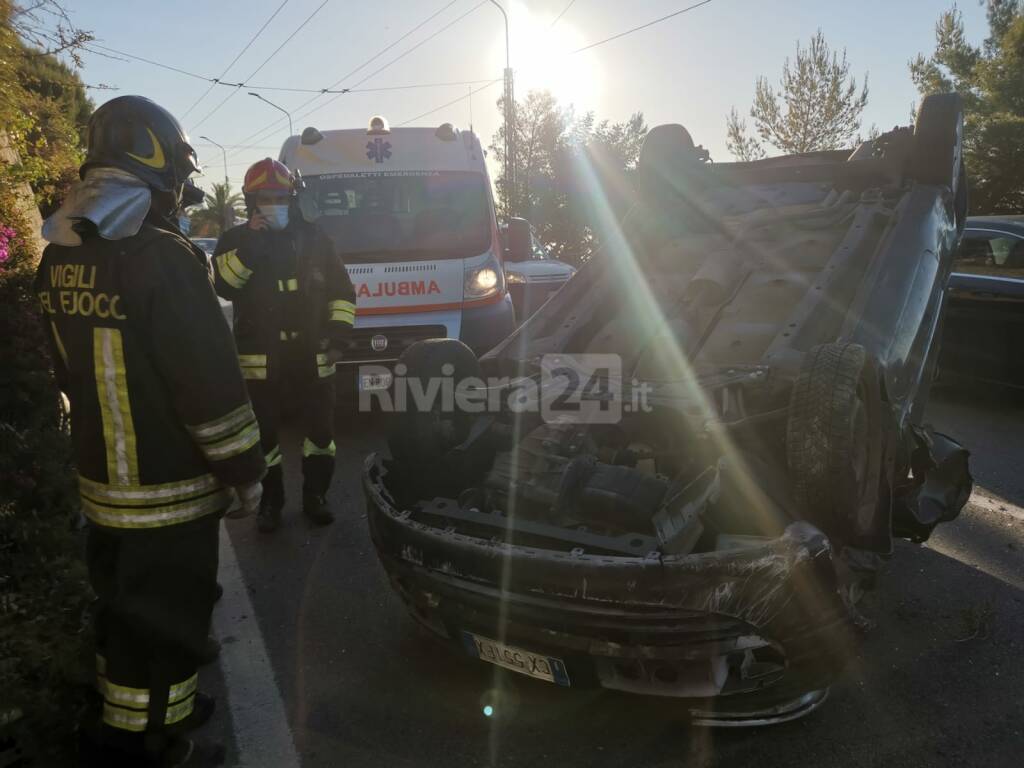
[(699, 517)]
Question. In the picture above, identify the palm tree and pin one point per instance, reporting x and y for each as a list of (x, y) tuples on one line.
[(220, 210)]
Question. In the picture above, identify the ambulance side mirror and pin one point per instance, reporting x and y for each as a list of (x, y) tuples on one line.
[(518, 244)]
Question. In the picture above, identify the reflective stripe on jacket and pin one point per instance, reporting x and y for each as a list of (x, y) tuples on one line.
[(161, 420), (289, 286)]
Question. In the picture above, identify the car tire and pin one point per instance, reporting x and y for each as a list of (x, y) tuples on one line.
[(834, 442), (424, 441), (937, 157)]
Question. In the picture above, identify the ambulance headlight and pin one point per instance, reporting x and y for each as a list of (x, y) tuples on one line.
[(483, 282)]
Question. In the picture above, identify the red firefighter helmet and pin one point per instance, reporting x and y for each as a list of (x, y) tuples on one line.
[(268, 175)]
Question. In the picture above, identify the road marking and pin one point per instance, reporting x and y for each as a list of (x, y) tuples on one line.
[(257, 709)]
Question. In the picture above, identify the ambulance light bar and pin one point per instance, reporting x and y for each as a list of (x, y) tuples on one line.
[(378, 126)]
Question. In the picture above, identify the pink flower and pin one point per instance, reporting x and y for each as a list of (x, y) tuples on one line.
[(7, 236)]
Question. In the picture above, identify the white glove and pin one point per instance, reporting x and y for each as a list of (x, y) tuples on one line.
[(246, 500)]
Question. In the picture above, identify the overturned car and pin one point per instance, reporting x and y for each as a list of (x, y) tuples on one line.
[(678, 476)]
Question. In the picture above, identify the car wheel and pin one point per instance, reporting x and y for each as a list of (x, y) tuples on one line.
[(424, 438), (937, 157), (834, 441)]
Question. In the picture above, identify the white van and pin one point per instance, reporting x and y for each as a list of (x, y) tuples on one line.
[(412, 215)]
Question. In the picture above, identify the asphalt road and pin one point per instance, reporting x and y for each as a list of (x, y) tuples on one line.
[(939, 681)]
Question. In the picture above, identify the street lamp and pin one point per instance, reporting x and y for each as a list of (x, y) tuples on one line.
[(223, 152), (510, 120), (291, 131), (227, 210)]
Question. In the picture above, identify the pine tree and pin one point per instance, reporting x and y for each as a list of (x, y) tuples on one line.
[(990, 78), (817, 106)]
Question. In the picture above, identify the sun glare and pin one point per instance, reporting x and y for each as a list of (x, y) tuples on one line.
[(541, 60)]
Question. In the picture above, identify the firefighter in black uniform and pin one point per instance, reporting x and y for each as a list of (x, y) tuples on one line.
[(294, 304), (164, 435)]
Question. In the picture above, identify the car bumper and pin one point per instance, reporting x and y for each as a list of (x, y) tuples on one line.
[(746, 637)]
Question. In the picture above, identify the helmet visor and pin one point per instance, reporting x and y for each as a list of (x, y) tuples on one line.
[(189, 160)]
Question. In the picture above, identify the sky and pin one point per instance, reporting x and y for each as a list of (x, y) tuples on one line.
[(689, 69)]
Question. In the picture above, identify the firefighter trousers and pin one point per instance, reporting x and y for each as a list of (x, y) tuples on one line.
[(314, 397), (156, 588)]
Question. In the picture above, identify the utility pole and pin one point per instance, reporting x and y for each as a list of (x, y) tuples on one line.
[(510, 122), (227, 211)]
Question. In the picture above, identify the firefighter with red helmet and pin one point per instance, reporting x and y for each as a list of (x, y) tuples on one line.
[(161, 423), (294, 305)]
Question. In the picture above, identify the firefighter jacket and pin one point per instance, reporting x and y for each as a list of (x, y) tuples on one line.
[(160, 418), (288, 286)]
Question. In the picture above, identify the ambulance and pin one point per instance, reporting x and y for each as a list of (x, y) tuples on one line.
[(411, 213)]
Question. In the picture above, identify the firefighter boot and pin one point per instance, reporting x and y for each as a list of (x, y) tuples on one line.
[(317, 470), (205, 706), (317, 508), (269, 516)]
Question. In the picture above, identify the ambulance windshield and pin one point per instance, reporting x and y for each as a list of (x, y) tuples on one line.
[(403, 216)]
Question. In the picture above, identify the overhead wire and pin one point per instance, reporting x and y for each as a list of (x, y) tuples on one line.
[(642, 26), (321, 91), (263, 64), (125, 56), (161, 65), (215, 81), (274, 123), (332, 89), (448, 104), (564, 11), (270, 128), (391, 45), (578, 50)]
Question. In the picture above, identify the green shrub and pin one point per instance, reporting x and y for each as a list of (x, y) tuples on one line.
[(43, 592), (44, 597)]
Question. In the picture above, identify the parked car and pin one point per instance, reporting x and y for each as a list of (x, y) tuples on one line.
[(206, 243), (984, 324), (712, 433), (533, 275)]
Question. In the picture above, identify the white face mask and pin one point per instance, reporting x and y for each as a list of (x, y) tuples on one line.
[(276, 215)]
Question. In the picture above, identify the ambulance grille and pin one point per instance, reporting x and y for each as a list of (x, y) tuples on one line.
[(360, 341)]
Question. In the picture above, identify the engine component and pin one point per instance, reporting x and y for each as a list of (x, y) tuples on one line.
[(678, 523), (608, 494)]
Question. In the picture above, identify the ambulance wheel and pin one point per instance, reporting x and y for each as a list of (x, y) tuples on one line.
[(424, 438)]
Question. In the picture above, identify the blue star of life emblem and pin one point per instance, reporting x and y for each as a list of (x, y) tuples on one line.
[(378, 150)]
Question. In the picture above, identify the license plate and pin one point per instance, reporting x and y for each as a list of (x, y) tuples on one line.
[(374, 382), (517, 659)]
